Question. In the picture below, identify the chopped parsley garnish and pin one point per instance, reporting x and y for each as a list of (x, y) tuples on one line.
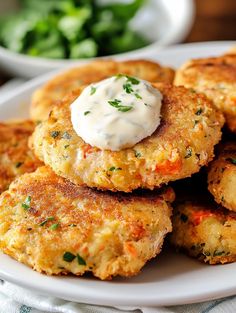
[(26, 203), (138, 96), (18, 164), (218, 253), (80, 260), (188, 153), (51, 218), (66, 146), (116, 104), (54, 226), (68, 256), (92, 90), (128, 88), (183, 218), (138, 154), (130, 79), (66, 135), (231, 160), (87, 112), (55, 134), (113, 168), (199, 112), (133, 80)]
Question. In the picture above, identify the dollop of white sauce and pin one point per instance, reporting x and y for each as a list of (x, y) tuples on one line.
[(117, 112)]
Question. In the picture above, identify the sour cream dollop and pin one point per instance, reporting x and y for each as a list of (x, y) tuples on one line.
[(116, 113)]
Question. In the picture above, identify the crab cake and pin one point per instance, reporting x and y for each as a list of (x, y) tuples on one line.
[(61, 85), (205, 231), (184, 141), (57, 227), (222, 176), (216, 78), (15, 156)]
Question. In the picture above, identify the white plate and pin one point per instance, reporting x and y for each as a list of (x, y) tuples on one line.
[(167, 280), (164, 22)]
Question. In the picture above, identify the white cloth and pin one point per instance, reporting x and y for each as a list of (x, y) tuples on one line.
[(14, 299)]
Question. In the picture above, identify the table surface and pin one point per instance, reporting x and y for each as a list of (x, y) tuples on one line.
[(215, 20)]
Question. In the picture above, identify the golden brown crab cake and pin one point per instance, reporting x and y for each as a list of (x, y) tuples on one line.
[(216, 78), (222, 176), (61, 85), (57, 227), (15, 156), (205, 231), (184, 142)]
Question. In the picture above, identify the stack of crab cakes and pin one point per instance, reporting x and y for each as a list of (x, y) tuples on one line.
[(57, 226), (105, 212), (204, 223)]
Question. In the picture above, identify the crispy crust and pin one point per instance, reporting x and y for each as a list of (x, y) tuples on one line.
[(205, 231), (183, 143), (216, 78), (222, 176), (61, 85), (15, 156), (115, 234)]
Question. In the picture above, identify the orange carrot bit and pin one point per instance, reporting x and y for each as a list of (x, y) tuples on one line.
[(87, 150), (198, 216), (168, 167), (131, 249), (138, 231)]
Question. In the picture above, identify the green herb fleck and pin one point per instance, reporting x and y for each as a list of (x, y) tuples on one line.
[(188, 153), (138, 96), (218, 253), (133, 80), (18, 164), (130, 79), (51, 218), (92, 90), (138, 154), (26, 203), (87, 112), (54, 226), (128, 88), (66, 146), (68, 256), (80, 260), (66, 135), (55, 133), (113, 168), (116, 104), (199, 112), (231, 160), (183, 217)]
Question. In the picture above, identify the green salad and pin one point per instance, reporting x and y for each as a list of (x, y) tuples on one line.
[(71, 28)]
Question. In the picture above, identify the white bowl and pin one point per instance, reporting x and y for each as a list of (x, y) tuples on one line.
[(164, 22)]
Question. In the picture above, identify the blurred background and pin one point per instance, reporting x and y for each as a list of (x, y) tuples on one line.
[(213, 20)]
